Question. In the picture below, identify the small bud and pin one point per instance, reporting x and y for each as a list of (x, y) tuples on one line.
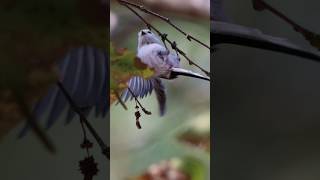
[(188, 37)]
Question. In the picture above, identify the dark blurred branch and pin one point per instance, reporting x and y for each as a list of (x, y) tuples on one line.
[(33, 124), (227, 33), (162, 35), (120, 100), (104, 148), (312, 37)]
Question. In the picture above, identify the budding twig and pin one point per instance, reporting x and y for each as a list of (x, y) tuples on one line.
[(167, 20), (163, 35)]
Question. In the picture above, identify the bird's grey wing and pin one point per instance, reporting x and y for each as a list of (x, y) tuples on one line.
[(227, 33), (84, 74), (139, 86), (142, 87), (160, 94)]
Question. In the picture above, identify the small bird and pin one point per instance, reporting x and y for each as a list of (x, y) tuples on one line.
[(152, 52)]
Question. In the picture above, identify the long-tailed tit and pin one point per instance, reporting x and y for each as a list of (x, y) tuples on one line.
[(154, 54)]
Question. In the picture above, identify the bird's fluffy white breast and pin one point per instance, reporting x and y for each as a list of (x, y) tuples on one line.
[(149, 54)]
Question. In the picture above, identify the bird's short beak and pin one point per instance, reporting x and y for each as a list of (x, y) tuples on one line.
[(143, 33)]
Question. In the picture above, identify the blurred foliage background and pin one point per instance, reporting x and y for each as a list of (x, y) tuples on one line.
[(266, 104), (34, 36), (181, 137)]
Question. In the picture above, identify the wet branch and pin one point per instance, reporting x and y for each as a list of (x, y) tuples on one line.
[(163, 35), (105, 149)]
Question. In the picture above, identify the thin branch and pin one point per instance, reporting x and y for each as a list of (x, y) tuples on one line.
[(120, 100), (137, 101), (162, 35), (260, 5), (33, 124), (76, 109), (167, 20)]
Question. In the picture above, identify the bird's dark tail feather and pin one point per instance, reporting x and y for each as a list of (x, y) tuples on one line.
[(161, 95)]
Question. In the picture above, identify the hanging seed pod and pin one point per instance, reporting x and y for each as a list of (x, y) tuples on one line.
[(138, 115), (88, 168)]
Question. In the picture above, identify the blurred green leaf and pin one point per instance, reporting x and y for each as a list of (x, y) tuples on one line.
[(194, 168)]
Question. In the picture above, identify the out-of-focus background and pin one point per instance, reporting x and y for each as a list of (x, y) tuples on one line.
[(35, 35), (266, 104), (181, 137)]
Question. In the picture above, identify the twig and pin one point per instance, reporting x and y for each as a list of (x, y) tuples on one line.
[(167, 20), (261, 5), (120, 100), (162, 35), (137, 113), (104, 148), (136, 99), (34, 125)]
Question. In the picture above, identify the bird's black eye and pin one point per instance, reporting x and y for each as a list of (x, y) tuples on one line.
[(149, 32)]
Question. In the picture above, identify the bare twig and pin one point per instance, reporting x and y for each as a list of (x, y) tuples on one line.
[(312, 37), (136, 99), (261, 5), (33, 124), (120, 100), (75, 108), (167, 20), (162, 35)]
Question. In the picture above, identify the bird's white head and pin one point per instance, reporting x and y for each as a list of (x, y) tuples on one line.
[(146, 36)]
